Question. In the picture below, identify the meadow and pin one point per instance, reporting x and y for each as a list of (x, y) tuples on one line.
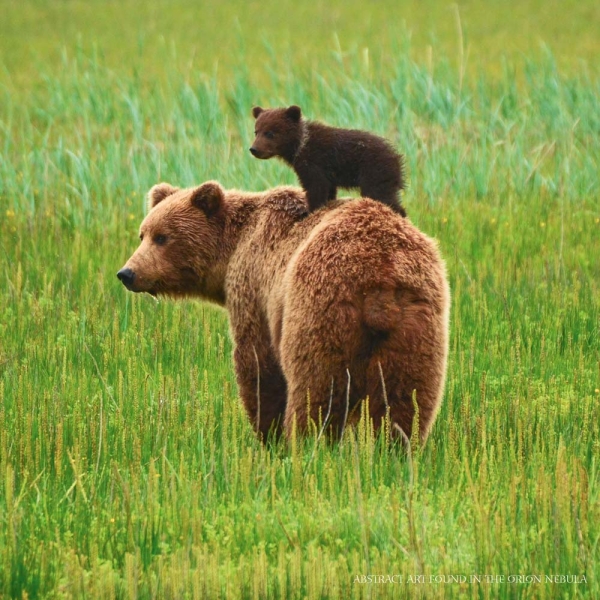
[(128, 468)]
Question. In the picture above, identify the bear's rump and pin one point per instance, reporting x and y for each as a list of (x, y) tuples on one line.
[(361, 318)]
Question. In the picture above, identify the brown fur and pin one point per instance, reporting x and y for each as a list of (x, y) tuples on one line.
[(350, 289), (326, 158)]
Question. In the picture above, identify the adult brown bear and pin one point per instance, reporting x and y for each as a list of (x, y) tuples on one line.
[(328, 309)]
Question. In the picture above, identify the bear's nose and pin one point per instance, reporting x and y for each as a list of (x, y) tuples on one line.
[(253, 151), (126, 276)]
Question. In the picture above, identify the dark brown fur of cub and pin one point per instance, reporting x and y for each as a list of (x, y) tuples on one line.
[(326, 158)]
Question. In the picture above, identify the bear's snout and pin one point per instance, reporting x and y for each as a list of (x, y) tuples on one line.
[(258, 152), (126, 276)]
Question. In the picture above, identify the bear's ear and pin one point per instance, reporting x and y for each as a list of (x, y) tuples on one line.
[(158, 193), (294, 113), (208, 197), (256, 111)]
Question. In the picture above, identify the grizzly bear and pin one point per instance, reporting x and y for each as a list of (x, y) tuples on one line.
[(326, 310), (326, 158)]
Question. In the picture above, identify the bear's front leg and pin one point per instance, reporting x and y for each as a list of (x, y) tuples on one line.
[(262, 388), (317, 186)]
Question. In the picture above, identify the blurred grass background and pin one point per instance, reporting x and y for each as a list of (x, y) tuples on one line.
[(165, 35), (127, 466)]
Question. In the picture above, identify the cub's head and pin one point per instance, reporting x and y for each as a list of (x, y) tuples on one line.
[(278, 132), (181, 239)]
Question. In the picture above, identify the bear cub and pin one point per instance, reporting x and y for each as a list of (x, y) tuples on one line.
[(326, 158)]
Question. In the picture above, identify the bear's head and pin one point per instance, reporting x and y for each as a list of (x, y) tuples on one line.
[(278, 132), (181, 243)]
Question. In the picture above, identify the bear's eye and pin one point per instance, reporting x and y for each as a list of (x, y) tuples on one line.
[(160, 240), (141, 237), (269, 135)]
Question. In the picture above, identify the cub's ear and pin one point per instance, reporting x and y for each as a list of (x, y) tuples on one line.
[(158, 193), (208, 197), (294, 113), (256, 111)]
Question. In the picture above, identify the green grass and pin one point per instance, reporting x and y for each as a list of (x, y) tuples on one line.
[(127, 465)]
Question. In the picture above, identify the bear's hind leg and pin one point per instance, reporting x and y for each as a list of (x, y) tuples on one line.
[(324, 402), (406, 371), (385, 194), (385, 189), (320, 359)]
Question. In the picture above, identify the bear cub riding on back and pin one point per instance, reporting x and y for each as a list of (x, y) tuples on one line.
[(325, 158)]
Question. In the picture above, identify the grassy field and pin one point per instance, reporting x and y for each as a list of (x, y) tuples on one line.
[(127, 466)]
